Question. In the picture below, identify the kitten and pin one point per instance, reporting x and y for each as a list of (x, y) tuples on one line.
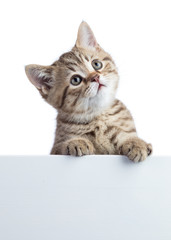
[(82, 85)]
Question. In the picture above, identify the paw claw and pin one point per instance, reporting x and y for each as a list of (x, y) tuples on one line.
[(77, 147), (136, 149), (149, 149)]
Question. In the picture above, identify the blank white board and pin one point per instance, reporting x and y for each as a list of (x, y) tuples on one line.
[(87, 198)]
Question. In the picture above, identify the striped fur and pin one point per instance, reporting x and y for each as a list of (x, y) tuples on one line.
[(90, 119)]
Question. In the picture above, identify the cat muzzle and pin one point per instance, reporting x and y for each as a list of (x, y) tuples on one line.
[(95, 78)]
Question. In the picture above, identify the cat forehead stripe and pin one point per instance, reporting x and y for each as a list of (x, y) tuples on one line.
[(70, 68), (107, 59), (70, 57), (86, 58)]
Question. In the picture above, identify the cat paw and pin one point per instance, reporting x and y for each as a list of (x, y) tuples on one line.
[(136, 149), (77, 147)]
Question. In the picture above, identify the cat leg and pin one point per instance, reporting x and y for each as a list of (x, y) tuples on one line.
[(133, 147), (75, 147)]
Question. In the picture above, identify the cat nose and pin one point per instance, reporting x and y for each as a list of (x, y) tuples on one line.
[(95, 78)]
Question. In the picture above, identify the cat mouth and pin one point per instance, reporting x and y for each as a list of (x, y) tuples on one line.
[(100, 86), (96, 78)]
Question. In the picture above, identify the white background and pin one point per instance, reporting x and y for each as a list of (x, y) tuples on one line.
[(136, 33)]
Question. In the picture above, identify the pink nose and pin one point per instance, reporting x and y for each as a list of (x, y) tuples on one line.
[(95, 78)]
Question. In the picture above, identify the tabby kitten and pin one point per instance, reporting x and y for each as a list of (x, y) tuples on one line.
[(82, 85)]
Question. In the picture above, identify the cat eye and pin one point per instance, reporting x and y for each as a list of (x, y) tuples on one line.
[(76, 80), (97, 64)]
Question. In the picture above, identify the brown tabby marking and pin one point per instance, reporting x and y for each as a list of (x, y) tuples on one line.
[(82, 85)]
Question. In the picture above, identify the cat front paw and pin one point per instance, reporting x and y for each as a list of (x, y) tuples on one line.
[(77, 147), (136, 149)]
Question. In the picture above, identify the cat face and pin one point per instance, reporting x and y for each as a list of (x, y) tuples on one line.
[(82, 83)]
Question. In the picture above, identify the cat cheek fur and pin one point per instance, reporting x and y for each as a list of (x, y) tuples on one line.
[(91, 90)]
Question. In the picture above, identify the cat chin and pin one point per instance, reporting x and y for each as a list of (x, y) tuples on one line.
[(97, 105), (89, 110), (88, 116)]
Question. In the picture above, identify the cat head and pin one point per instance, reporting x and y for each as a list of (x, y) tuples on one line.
[(81, 83)]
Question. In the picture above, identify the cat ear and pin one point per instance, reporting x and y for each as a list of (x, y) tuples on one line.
[(85, 37), (40, 76)]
